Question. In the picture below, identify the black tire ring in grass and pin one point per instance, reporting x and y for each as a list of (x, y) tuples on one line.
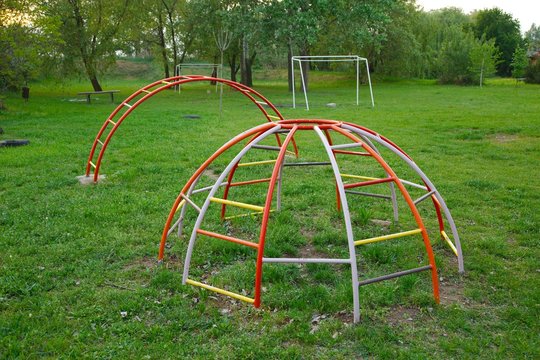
[(13, 143)]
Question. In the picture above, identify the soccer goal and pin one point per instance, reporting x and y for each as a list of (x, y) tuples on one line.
[(331, 58), (197, 67)]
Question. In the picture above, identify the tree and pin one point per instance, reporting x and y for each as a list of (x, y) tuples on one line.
[(532, 38), (90, 31), (484, 57), (498, 25), (520, 61)]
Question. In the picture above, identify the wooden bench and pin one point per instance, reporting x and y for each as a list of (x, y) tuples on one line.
[(90, 93)]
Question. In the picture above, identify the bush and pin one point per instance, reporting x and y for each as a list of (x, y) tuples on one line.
[(532, 73)]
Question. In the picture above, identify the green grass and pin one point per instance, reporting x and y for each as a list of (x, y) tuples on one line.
[(73, 259)]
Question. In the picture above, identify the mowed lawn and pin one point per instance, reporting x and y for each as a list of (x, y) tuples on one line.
[(78, 270)]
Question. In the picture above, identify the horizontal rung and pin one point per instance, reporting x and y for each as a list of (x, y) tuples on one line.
[(261, 102), (266, 147), (257, 163), (228, 238), (165, 82), (447, 239), (182, 203), (413, 184), (237, 204), (146, 91), (368, 194), (348, 152), (345, 146), (244, 215), (92, 164), (207, 188), (394, 275), (358, 177), (387, 237), (369, 182), (249, 182), (112, 122), (274, 117), (307, 163), (424, 197), (220, 291), (307, 260), (190, 202), (128, 105), (100, 142)]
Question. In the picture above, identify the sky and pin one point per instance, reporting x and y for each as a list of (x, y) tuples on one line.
[(526, 11)]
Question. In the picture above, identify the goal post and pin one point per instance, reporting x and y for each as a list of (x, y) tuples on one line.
[(331, 58)]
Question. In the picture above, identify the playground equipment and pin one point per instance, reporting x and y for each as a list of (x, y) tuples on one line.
[(122, 111), (357, 138), (360, 143), (331, 58)]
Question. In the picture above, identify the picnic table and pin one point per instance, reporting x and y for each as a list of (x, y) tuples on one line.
[(90, 93)]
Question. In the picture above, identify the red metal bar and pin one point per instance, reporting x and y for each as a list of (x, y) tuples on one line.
[(228, 238), (369, 182), (259, 129), (266, 215), (410, 203)]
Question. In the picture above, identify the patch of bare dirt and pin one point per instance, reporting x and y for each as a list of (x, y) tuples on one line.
[(211, 174), (381, 223), (504, 138), (452, 293), (146, 262), (401, 314), (309, 251)]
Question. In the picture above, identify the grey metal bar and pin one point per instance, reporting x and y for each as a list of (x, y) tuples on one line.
[(307, 260), (267, 147), (348, 223), (308, 163), (424, 197), (386, 197), (418, 186), (190, 202), (345, 146), (207, 188), (394, 275)]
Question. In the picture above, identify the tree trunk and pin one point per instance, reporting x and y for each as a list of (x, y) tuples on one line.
[(232, 65), (305, 67), (163, 47), (289, 67)]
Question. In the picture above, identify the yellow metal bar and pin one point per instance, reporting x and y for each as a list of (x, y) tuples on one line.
[(165, 82), (237, 204), (112, 122), (258, 163), (447, 239), (221, 291), (274, 117), (182, 203), (244, 215), (358, 177), (387, 237)]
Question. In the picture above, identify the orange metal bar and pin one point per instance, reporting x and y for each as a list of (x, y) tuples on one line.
[(410, 203), (169, 82), (228, 238), (266, 215)]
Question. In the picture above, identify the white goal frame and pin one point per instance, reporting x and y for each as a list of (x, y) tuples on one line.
[(178, 70), (333, 58)]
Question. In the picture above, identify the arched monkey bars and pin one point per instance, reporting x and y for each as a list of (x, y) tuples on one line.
[(360, 142), (127, 106)]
